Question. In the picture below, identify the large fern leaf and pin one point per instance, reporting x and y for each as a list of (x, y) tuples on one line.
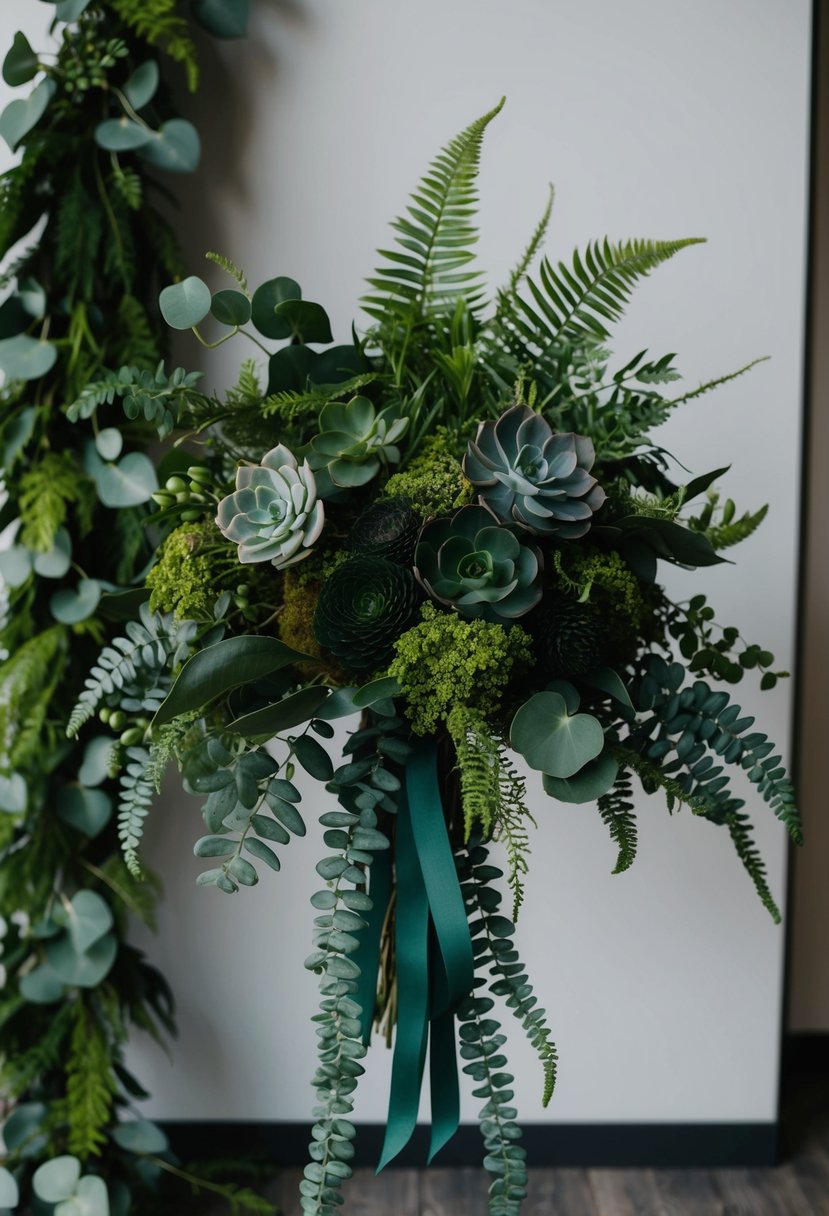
[(579, 302), (430, 267)]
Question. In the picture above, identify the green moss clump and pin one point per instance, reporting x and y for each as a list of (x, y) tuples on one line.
[(434, 481), (447, 661), (196, 564)]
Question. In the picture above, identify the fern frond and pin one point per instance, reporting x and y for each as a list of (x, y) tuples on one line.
[(78, 232), (160, 23), (27, 683), (134, 341), (616, 810), (511, 821), (428, 270), (520, 271), (708, 385), (22, 1068), (230, 268), (90, 1086), (739, 827), (46, 491), (478, 763), (726, 531)]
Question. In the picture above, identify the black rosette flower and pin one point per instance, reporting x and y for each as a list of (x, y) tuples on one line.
[(478, 566), (387, 529), (363, 608), (526, 473), (569, 638)]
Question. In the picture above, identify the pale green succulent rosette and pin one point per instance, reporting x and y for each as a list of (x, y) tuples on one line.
[(475, 564), (528, 474), (274, 515), (354, 442)]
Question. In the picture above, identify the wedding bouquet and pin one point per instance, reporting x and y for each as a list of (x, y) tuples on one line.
[(448, 533)]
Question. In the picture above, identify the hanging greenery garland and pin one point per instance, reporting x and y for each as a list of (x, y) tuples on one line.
[(86, 246)]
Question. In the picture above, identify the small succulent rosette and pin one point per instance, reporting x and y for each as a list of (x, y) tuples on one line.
[(364, 607), (387, 528), (478, 566), (353, 443), (274, 514), (525, 472)]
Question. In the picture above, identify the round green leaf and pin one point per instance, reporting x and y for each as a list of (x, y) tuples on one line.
[(70, 10), (185, 304), (57, 561), (231, 307), (81, 970), (19, 66), (141, 1136), (308, 322), (88, 811), (96, 761), (590, 783), (176, 147), (56, 1180), (26, 358), (552, 741), (87, 918), (9, 1193), (223, 18), (290, 368), (21, 115), (264, 304), (41, 986), (19, 1130), (12, 794), (109, 443), (121, 134), (32, 297), (336, 364), (15, 566), (141, 87), (70, 607), (90, 1199), (128, 483)]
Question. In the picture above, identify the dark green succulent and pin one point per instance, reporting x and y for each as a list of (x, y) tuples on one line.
[(569, 638), (526, 473), (363, 608), (387, 529), (480, 567)]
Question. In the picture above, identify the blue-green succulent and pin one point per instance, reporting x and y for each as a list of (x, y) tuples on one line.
[(527, 474), (478, 566), (274, 514), (353, 443)]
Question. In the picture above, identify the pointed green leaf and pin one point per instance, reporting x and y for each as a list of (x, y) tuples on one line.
[(141, 1136), (19, 66), (377, 690), (610, 682), (141, 87), (121, 134), (290, 711), (21, 115)]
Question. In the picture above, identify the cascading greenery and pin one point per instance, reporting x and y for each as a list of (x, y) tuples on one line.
[(86, 247), (452, 527)]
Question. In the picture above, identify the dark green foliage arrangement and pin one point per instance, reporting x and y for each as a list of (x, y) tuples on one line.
[(87, 247)]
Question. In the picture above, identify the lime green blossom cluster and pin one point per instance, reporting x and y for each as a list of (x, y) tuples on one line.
[(195, 565), (434, 481), (603, 578), (447, 661)]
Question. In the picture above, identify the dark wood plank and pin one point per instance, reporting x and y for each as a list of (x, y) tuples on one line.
[(284, 1192), (370, 1194), (453, 1192), (624, 1192), (559, 1193), (768, 1192), (688, 1193)]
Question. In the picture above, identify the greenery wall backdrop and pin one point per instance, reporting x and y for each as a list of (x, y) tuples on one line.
[(87, 242)]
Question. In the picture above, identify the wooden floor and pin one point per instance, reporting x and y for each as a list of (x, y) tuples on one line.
[(797, 1187)]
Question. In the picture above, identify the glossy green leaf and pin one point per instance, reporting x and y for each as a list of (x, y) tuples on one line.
[(290, 369), (57, 561), (85, 970), (264, 304), (590, 783), (609, 681), (307, 322), (19, 67), (223, 18), (21, 115), (290, 711), (222, 666), (73, 605), (41, 986), (313, 757), (339, 705), (185, 304), (26, 358), (551, 740), (214, 846), (56, 1179), (86, 810), (263, 852), (142, 85), (176, 147), (121, 134), (231, 307), (377, 690), (141, 1136), (336, 364)]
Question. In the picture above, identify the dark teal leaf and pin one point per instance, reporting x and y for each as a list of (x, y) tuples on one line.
[(141, 1136), (290, 711), (553, 741), (264, 303), (377, 690), (308, 322), (262, 852), (609, 681), (19, 67), (141, 87), (223, 18), (590, 783), (290, 368), (313, 758), (176, 147), (231, 307)]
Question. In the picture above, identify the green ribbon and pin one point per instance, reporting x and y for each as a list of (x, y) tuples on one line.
[(368, 954), (434, 961)]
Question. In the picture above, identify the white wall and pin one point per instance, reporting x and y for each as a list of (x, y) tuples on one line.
[(654, 119)]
